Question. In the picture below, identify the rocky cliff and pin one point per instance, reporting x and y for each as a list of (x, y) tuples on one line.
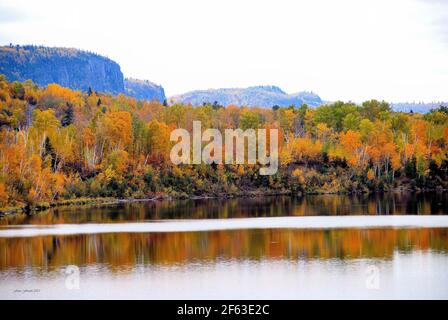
[(68, 67), (72, 68)]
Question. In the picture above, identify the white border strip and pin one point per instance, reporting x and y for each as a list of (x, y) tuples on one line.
[(308, 222)]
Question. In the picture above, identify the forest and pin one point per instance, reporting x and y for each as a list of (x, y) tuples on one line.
[(60, 146)]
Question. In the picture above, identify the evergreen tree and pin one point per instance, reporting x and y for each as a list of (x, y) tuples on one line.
[(67, 119), (49, 152), (216, 105)]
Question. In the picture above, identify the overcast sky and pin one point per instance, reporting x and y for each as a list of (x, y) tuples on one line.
[(346, 49)]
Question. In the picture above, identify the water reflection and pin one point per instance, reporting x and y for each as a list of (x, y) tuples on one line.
[(238, 264), (385, 204), (118, 250)]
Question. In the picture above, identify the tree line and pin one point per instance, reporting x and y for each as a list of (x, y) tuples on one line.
[(58, 144)]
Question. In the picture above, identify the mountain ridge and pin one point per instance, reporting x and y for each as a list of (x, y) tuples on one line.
[(261, 96), (144, 89)]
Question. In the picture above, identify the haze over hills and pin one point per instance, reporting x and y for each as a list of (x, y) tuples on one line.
[(419, 107), (261, 96), (269, 96), (72, 68)]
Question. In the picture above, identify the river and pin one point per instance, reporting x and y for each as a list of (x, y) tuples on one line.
[(323, 246)]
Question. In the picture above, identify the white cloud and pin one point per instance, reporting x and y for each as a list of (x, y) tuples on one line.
[(347, 49)]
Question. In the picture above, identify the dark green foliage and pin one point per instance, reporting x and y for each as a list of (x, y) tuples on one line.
[(333, 115), (217, 106), (373, 109), (50, 153), (68, 116), (17, 90), (410, 168)]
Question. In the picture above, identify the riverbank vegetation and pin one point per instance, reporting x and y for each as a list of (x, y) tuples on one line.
[(57, 145)]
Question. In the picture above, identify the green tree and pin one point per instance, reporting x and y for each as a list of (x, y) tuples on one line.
[(250, 120), (371, 109), (351, 121), (68, 116), (333, 114), (17, 90), (366, 127)]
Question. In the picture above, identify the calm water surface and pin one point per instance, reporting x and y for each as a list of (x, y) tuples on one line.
[(321, 261)]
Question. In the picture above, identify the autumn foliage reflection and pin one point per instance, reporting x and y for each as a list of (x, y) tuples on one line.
[(122, 249)]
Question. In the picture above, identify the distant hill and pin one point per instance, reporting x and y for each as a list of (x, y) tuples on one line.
[(419, 107), (144, 90), (72, 68), (261, 96)]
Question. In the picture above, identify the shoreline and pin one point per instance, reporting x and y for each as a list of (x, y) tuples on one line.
[(106, 201)]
